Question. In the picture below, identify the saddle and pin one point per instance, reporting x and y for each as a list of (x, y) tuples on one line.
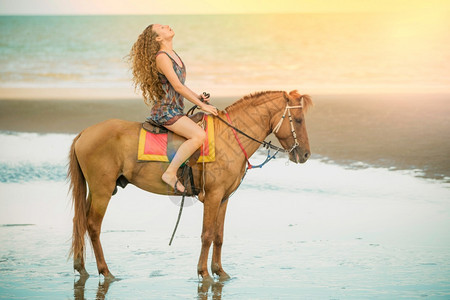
[(174, 141)]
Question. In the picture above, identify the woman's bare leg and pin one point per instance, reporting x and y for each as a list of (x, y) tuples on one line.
[(195, 136)]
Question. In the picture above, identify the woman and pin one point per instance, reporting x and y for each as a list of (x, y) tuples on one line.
[(160, 74)]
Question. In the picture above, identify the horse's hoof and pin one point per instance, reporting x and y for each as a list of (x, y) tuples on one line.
[(207, 280), (110, 278), (84, 273), (224, 277), (79, 266)]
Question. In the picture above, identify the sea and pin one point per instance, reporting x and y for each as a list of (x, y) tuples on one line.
[(326, 52), (318, 230)]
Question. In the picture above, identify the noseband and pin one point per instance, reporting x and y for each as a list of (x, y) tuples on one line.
[(277, 128)]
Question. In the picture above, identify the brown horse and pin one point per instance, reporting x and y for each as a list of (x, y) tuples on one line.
[(103, 152)]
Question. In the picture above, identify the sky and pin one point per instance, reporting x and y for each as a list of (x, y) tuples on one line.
[(63, 7)]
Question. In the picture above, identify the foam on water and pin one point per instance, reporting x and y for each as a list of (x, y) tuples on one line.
[(32, 156), (34, 147), (318, 176)]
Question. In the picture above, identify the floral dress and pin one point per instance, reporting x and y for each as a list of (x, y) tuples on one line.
[(171, 106)]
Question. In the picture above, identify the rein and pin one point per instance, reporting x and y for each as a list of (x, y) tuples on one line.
[(265, 144)]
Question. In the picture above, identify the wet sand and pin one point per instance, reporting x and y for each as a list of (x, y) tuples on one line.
[(316, 230), (397, 131)]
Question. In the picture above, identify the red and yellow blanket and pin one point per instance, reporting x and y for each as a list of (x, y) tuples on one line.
[(153, 147)]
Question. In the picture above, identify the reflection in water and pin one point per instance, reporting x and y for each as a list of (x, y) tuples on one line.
[(216, 289), (79, 287), (103, 287)]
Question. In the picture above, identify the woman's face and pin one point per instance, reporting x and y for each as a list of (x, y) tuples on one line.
[(164, 32)]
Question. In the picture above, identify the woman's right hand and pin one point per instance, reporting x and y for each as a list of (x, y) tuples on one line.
[(209, 109), (204, 97)]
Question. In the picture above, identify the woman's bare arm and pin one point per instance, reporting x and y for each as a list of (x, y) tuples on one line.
[(165, 66)]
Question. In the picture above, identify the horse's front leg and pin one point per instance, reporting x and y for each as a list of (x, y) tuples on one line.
[(216, 263), (211, 206)]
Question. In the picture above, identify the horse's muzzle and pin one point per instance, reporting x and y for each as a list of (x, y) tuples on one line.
[(299, 155)]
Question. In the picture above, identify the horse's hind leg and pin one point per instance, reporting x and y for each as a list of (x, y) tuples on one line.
[(216, 263), (78, 264), (96, 213), (78, 259)]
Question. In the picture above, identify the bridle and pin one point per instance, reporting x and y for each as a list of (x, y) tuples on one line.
[(294, 135), (265, 144)]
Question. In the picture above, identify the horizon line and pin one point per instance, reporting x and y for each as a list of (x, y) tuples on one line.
[(201, 14)]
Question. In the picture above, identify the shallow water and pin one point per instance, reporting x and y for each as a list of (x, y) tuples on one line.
[(314, 231)]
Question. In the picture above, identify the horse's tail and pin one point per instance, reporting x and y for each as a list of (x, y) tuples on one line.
[(79, 191)]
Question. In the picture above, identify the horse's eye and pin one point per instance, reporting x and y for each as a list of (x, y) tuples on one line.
[(299, 121)]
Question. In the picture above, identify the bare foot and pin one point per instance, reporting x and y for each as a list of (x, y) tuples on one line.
[(171, 180)]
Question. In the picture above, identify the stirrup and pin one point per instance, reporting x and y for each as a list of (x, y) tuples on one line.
[(176, 191)]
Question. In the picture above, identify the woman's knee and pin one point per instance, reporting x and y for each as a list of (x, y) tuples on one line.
[(199, 137)]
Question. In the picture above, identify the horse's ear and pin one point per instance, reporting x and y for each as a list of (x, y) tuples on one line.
[(304, 99), (295, 94)]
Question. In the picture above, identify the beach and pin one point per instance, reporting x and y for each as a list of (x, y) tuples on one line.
[(366, 217), (397, 130)]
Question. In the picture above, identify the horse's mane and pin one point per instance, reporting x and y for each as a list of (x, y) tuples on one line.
[(250, 99), (253, 99)]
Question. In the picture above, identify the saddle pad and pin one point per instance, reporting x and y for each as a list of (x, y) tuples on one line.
[(153, 147)]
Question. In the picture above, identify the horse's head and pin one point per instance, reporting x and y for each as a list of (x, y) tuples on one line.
[(288, 125)]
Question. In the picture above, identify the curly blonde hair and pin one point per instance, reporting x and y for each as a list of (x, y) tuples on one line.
[(143, 64)]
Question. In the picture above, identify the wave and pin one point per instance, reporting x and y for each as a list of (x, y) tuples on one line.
[(28, 157), (33, 157), (24, 172)]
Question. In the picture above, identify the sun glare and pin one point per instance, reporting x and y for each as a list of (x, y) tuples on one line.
[(215, 7)]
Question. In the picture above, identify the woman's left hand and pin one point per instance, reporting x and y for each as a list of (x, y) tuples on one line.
[(209, 109)]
